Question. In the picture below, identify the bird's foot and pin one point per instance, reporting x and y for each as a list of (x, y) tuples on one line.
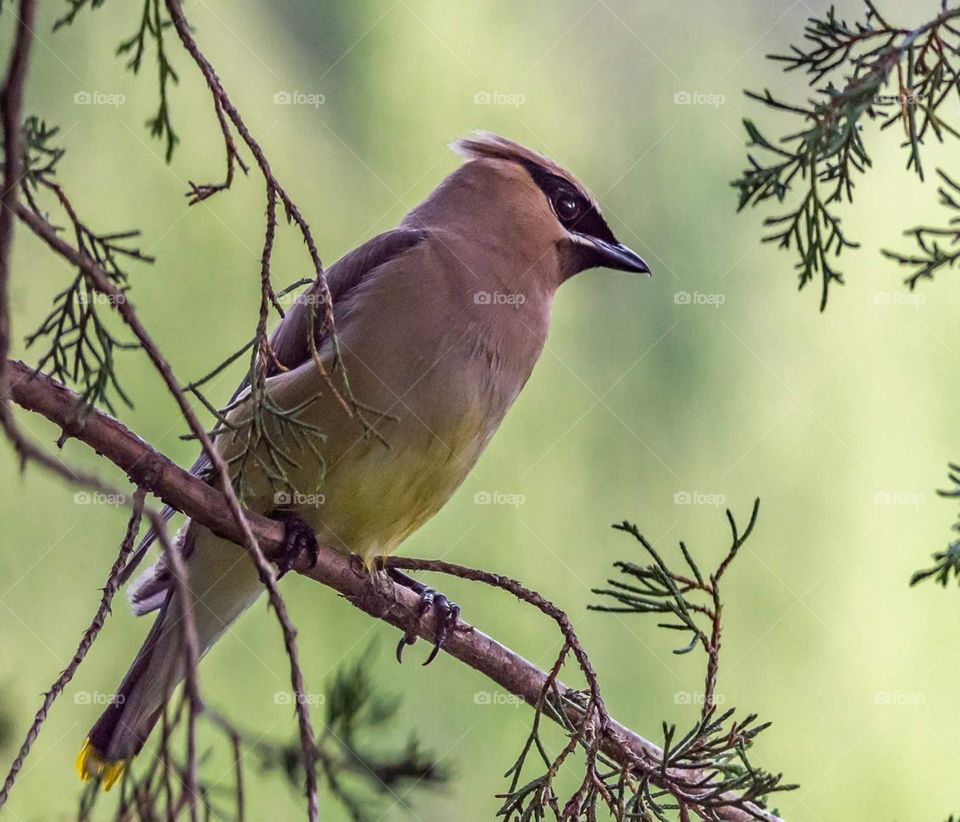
[(446, 613), (298, 537)]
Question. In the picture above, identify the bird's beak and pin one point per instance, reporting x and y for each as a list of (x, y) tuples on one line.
[(598, 253), (618, 256)]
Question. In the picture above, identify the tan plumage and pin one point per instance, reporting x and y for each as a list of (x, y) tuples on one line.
[(440, 324)]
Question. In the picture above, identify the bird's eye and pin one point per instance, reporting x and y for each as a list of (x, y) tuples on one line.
[(567, 206)]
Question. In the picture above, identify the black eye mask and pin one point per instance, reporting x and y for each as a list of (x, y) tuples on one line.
[(584, 218)]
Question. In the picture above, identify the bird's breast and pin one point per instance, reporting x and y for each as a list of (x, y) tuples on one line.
[(376, 493)]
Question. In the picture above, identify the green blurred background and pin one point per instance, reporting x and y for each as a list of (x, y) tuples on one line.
[(842, 423)]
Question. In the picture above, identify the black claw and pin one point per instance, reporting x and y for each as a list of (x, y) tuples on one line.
[(298, 538), (403, 643), (433, 654), (447, 614)]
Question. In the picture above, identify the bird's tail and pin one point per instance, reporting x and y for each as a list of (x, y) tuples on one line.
[(223, 583)]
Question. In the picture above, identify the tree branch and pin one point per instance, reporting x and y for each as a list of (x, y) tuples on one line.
[(149, 469)]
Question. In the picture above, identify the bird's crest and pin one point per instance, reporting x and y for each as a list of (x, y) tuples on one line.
[(487, 145)]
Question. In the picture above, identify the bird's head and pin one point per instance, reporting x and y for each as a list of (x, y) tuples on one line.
[(540, 205)]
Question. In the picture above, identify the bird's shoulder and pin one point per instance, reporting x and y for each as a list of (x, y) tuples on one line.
[(351, 269), (290, 342)]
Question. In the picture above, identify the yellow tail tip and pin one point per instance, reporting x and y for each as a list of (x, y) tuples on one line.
[(92, 765)]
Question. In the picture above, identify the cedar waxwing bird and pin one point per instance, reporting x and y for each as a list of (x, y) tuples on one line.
[(439, 324)]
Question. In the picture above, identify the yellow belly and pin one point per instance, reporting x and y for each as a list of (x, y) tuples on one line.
[(365, 498)]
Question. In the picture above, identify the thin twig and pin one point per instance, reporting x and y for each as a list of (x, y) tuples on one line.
[(86, 641)]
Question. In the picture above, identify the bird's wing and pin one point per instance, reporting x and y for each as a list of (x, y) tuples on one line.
[(291, 347)]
